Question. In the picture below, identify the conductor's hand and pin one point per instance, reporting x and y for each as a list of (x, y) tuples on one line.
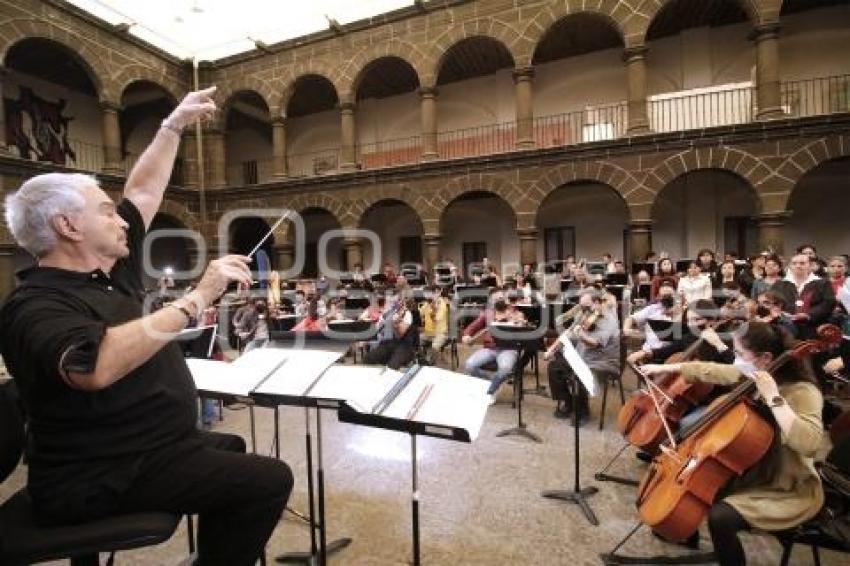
[(195, 105), (222, 271)]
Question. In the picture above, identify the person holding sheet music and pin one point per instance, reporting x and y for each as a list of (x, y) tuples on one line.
[(599, 346), (110, 403)]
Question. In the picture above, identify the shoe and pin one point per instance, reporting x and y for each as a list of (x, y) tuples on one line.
[(644, 456), (561, 413)]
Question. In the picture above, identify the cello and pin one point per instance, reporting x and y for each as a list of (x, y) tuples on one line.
[(640, 421), (681, 484)]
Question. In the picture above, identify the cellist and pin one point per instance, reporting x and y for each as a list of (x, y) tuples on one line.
[(784, 489)]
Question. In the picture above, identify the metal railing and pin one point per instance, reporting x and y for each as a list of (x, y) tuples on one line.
[(715, 106), (590, 125), (389, 153), (813, 97), (480, 140)]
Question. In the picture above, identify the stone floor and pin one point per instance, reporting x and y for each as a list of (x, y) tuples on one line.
[(480, 502)]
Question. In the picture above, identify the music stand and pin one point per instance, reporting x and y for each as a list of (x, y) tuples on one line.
[(519, 344), (578, 495)]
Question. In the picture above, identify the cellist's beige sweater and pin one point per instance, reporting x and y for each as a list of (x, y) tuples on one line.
[(795, 494)]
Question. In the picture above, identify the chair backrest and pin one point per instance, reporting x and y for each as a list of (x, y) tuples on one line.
[(12, 434)]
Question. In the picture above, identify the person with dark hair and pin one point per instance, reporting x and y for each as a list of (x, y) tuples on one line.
[(505, 358), (773, 281), (666, 271), (772, 309), (815, 299), (706, 260), (399, 335), (695, 285), (666, 309), (786, 490), (751, 273)]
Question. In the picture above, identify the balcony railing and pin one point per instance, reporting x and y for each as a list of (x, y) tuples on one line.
[(376, 155), (480, 140), (589, 125), (813, 97), (313, 163), (706, 108)]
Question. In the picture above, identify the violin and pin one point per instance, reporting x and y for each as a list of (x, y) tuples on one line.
[(680, 486)]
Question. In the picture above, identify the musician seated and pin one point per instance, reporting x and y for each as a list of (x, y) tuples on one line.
[(313, 321), (702, 318), (772, 310), (505, 358), (109, 399), (783, 490), (596, 335), (666, 273), (398, 337), (374, 311), (773, 281), (435, 322), (665, 309)]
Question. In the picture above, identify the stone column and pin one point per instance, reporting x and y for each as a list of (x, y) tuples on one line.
[(285, 256), (527, 246), (4, 146), (190, 159), (216, 158), (353, 252), (640, 239), (279, 148), (431, 243), (768, 93), (524, 108), (635, 59), (770, 228), (428, 98), (111, 139), (348, 152)]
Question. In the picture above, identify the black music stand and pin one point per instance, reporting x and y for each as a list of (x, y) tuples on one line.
[(578, 495), (521, 428)]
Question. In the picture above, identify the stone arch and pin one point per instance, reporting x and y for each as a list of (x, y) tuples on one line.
[(537, 28), (352, 73), (334, 206), (15, 30), (783, 182), (404, 194), (514, 42), (248, 84), (133, 73), (479, 182), (619, 179), (281, 98), (743, 164), (758, 11), (180, 212)]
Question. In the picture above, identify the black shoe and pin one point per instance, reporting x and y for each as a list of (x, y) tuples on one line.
[(562, 413), (644, 456)]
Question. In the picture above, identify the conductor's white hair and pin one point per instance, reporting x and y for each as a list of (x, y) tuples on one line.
[(30, 210)]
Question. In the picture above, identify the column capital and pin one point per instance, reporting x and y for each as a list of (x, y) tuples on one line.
[(527, 233), (428, 92), (765, 31), (347, 107), (351, 241), (431, 239), (773, 218), (523, 74), (109, 106), (279, 121), (640, 225), (636, 53)]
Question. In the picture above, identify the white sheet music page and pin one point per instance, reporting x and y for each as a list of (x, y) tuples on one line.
[(455, 400), (301, 369), (239, 377), (359, 386), (578, 364)]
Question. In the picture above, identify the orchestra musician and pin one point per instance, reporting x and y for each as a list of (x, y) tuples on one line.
[(666, 309), (596, 335), (784, 490), (666, 272), (398, 336), (110, 403), (815, 299), (505, 358), (435, 322)]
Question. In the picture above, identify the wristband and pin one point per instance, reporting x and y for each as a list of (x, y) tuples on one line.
[(182, 309), (169, 126)]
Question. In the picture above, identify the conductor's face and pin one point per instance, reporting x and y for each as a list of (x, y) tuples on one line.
[(103, 230)]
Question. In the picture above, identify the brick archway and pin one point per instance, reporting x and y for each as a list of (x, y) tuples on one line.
[(335, 207), (263, 89), (403, 194), (15, 30), (410, 54), (180, 213), (513, 196), (758, 12), (616, 14), (801, 162), (313, 67), (513, 41), (130, 74)]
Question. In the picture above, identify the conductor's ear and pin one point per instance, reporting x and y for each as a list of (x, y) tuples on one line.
[(66, 227)]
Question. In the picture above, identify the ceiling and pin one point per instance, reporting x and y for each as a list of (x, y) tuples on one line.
[(385, 77), (52, 62), (680, 15), (577, 35), (312, 94), (473, 57)]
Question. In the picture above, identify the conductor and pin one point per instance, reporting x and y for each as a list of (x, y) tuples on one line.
[(110, 403)]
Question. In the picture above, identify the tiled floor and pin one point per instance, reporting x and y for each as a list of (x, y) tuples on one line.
[(480, 502)]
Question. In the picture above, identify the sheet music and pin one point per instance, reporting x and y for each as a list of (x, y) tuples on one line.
[(577, 363), (456, 400), (301, 369), (359, 386), (239, 377)]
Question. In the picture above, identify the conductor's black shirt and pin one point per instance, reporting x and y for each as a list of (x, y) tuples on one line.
[(59, 316)]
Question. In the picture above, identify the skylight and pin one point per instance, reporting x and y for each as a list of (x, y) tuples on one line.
[(213, 29)]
